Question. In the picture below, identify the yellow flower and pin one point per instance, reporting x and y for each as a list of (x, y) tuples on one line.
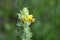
[(28, 19), (31, 19), (24, 19)]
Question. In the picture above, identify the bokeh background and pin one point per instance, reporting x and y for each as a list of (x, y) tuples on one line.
[(46, 13)]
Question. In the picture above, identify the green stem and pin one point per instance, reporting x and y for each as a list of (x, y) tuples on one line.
[(26, 32)]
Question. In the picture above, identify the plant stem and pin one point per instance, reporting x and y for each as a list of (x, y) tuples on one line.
[(26, 32)]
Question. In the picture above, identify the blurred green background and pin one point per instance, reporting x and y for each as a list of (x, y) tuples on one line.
[(46, 13)]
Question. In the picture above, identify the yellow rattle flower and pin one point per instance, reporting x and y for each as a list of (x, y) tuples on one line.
[(24, 19), (28, 19), (31, 19)]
